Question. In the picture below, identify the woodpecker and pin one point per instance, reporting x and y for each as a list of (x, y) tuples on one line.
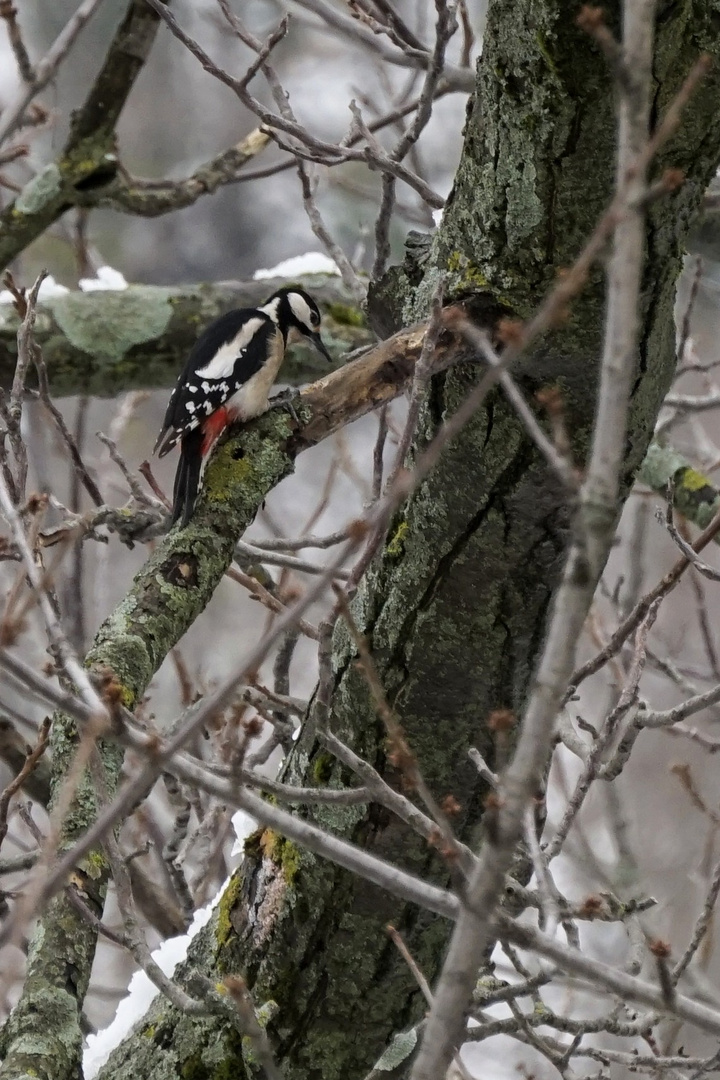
[(228, 377)]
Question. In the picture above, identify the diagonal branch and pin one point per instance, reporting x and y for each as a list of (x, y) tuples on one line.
[(88, 158), (151, 198)]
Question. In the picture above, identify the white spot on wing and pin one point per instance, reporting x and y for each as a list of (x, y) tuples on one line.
[(192, 389), (222, 363), (190, 406)]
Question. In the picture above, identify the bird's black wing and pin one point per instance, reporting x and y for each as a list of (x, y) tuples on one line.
[(205, 383)]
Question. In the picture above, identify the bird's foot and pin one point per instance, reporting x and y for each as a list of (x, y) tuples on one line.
[(286, 400)]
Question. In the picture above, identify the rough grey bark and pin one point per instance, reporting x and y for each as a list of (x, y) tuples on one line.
[(455, 608), (105, 343)]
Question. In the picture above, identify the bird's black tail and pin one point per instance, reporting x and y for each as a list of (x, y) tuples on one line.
[(187, 478)]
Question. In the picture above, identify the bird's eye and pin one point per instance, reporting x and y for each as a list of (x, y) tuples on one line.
[(314, 318)]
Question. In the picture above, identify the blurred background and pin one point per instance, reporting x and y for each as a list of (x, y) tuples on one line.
[(179, 116), (651, 832)]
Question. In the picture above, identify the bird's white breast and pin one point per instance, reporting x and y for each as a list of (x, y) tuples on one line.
[(251, 398)]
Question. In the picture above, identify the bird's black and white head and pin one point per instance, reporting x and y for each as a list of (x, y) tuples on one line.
[(297, 317)]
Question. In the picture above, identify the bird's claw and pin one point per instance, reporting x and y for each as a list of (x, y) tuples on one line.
[(285, 400)]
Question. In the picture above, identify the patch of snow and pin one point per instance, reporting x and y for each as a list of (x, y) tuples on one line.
[(142, 991), (313, 262), (106, 279), (437, 216), (244, 826), (172, 952), (49, 288)]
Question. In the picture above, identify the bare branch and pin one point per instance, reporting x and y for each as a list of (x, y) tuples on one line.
[(31, 762), (45, 69), (8, 12), (459, 78)]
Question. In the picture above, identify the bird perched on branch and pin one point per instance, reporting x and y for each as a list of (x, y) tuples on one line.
[(228, 377)]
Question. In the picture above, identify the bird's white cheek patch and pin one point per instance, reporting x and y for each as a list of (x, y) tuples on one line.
[(301, 309)]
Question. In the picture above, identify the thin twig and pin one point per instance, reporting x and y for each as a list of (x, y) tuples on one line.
[(8, 12), (378, 453), (259, 592), (636, 616), (45, 68), (557, 461), (31, 762), (402, 948), (64, 653)]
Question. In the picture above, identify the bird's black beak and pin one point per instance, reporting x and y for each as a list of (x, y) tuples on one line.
[(320, 346)]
